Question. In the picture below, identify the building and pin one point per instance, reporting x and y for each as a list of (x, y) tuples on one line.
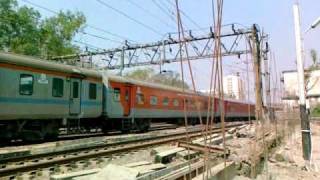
[(233, 87), (290, 94)]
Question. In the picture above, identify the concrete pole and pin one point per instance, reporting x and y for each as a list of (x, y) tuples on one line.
[(305, 124), (264, 72), (257, 73), (122, 61), (162, 55)]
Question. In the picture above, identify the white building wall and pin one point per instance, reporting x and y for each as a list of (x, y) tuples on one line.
[(233, 87), (290, 85), (313, 84)]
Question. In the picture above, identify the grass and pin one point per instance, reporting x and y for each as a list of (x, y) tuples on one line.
[(316, 112)]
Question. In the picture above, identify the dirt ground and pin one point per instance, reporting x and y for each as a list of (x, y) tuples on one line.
[(285, 160), (288, 163)]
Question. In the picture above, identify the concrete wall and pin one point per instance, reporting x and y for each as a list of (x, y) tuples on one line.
[(290, 88)]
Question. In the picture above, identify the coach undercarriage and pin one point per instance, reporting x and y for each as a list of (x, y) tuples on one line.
[(40, 130), (29, 130)]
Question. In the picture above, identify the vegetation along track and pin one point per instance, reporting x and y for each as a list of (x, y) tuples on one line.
[(41, 161)]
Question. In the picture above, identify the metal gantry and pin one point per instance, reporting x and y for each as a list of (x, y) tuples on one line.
[(199, 47), (165, 51)]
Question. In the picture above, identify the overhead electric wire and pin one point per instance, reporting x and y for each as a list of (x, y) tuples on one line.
[(166, 10), (110, 33), (88, 25), (87, 44), (150, 13), (41, 7), (100, 37), (129, 17), (185, 15), (171, 16)]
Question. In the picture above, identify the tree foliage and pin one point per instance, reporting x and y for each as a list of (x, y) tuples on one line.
[(22, 30), (149, 75)]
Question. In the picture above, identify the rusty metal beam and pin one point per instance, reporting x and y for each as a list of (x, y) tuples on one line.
[(202, 148)]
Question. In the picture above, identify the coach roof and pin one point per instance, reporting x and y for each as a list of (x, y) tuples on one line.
[(149, 84), (28, 61)]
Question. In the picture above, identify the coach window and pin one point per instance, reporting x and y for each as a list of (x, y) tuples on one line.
[(92, 91), (116, 94), (176, 102), (198, 104), (140, 98), (206, 104), (188, 103), (153, 100), (75, 90), (26, 84), (183, 102), (193, 104), (165, 101), (57, 87), (127, 95)]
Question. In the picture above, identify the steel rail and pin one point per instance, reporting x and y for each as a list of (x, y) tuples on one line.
[(109, 150)]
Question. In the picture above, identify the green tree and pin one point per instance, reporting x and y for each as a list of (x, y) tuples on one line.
[(149, 75), (25, 37), (23, 31), (141, 74), (18, 28), (57, 33)]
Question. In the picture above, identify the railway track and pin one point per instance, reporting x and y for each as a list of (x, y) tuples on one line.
[(34, 163), (64, 137), (154, 127)]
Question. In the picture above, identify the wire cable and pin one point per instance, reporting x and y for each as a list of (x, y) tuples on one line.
[(110, 33), (150, 13), (100, 37), (88, 25), (87, 44), (170, 14), (129, 17), (185, 15), (165, 11)]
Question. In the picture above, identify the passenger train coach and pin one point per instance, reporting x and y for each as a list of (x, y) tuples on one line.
[(38, 97)]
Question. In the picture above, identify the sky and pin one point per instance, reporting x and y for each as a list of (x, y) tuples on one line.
[(275, 17)]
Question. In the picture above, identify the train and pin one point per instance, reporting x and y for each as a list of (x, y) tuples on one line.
[(38, 97)]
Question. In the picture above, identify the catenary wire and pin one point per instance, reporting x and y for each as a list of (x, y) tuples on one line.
[(150, 13), (88, 25), (129, 17)]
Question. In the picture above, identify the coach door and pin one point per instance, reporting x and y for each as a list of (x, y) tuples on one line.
[(75, 95), (127, 100)]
